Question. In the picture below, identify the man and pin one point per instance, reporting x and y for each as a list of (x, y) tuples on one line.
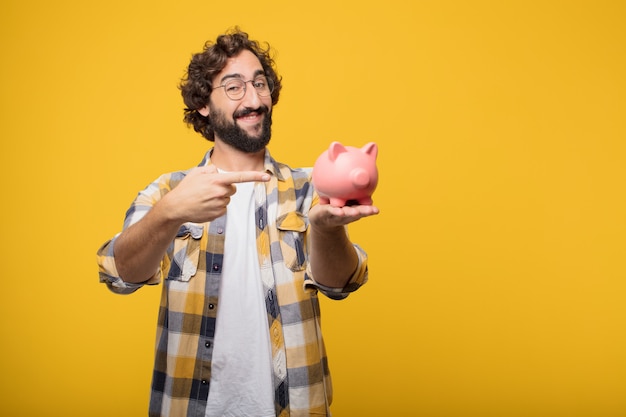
[(242, 247)]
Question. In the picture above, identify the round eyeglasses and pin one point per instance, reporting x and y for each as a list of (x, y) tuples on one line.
[(235, 88)]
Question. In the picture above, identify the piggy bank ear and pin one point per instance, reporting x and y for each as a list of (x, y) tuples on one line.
[(335, 150), (370, 149)]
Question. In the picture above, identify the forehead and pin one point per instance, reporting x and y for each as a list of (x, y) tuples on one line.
[(245, 65)]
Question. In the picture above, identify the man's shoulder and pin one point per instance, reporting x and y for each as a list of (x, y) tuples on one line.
[(300, 171), (172, 177), (297, 175)]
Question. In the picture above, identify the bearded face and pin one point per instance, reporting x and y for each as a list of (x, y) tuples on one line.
[(252, 138)]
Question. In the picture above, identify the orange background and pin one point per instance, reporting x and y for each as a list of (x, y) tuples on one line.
[(497, 262)]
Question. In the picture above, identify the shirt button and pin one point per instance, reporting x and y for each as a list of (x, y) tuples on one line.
[(220, 230), (216, 267), (211, 306), (207, 344), (204, 382)]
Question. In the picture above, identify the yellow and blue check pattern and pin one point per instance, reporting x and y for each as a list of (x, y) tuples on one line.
[(192, 271)]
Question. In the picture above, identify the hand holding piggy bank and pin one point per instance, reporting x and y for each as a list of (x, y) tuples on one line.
[(345, 175)]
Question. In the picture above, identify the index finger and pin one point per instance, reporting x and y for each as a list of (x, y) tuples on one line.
[(243, 176)]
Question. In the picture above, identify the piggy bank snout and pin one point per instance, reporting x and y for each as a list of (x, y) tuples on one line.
[(360, 178)]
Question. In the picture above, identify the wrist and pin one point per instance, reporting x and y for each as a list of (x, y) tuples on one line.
[(168, 212)]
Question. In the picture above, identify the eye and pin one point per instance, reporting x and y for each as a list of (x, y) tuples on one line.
[(233, 87), (260, 83)]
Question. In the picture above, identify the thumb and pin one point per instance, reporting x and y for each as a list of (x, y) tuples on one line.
[(210, 169), (205, 169)]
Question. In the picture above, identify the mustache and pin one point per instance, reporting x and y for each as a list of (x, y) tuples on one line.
[(246, 111)]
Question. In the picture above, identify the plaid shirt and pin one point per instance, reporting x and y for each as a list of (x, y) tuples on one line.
[(192, 268)]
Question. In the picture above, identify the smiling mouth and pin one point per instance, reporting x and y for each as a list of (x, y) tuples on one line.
[(251, 114), (251, 117)]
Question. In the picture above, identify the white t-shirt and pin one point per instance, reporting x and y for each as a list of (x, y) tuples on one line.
[(241, 368)]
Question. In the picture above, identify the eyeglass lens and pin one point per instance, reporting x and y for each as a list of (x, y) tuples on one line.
[(236, 88)]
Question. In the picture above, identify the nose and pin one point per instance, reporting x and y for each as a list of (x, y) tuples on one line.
[(251, 98)]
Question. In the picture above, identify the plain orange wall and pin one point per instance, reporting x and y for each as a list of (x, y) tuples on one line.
[(497, 263)]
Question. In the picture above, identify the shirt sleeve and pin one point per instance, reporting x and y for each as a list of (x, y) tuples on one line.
[(108, 271), (143, 203)]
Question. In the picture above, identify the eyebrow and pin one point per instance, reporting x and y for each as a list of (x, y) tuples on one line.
[(228, 76)]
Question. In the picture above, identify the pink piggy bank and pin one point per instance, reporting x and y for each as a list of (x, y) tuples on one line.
[(345, 175)]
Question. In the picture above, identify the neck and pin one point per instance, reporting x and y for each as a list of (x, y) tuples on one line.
[(230, 159)]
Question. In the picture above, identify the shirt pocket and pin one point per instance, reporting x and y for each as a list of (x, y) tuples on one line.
[(185, 252), (292, 232)]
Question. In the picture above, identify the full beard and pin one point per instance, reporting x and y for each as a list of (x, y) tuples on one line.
[(238, 138)]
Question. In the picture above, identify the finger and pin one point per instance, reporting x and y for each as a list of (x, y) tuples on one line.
[(366, 210), (349, 214), (243, 176)]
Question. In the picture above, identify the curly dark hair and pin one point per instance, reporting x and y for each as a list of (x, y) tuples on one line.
[(196, 86)]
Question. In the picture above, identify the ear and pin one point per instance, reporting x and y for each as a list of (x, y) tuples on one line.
[(204, 111), (371, 149), (335, 149)]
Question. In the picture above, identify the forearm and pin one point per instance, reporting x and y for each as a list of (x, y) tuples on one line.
[(333, 257), (140, 248)]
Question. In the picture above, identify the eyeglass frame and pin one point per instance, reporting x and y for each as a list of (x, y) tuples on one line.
[(269, 81)]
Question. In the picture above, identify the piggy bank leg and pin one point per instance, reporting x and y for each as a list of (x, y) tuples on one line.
[(324, 200), (366, 201), (337, 202)]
